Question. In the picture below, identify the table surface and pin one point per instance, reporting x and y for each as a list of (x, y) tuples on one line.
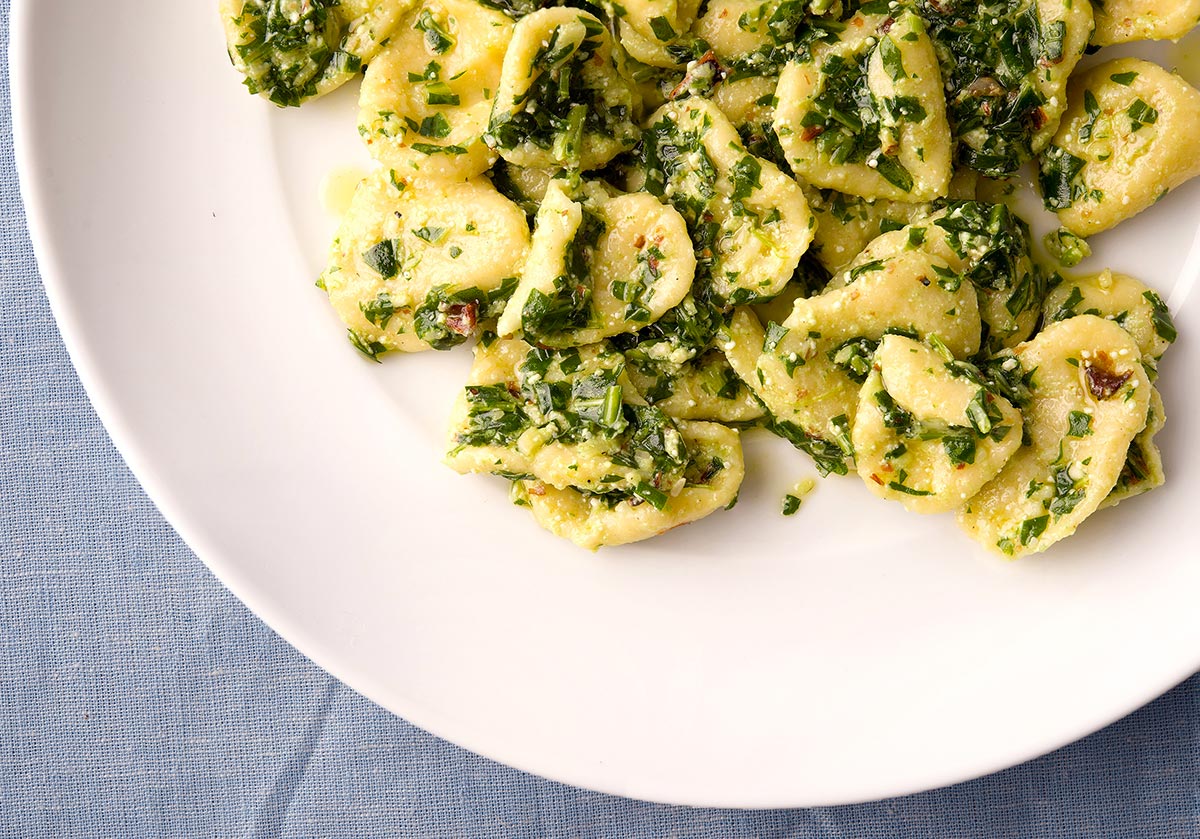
[(138, 697)]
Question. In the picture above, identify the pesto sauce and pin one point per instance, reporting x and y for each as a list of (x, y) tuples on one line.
[(570, 306), (849, 123), (997, 245), (287, 50), (991, 53), (680, 172), (573, 402), (561, 105)]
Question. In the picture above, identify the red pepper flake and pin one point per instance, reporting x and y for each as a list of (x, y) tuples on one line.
[(1103, 381), (461, 318), (639, 242), (718, 74), (811, 133), (876, 479)]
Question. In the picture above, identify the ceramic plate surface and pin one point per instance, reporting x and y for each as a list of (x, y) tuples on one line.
[(851, 652)]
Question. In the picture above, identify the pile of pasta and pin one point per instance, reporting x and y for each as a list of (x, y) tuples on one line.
[(665, 222)]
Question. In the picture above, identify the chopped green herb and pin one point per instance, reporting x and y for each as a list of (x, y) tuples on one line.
[(381, 258), (432, 235), (662, 29), (437, 39), (898, 485), (791, 504), (1080, 424), (1140, 115), (1067, 248), (1164, 326), (1031, 529), (371, 349)]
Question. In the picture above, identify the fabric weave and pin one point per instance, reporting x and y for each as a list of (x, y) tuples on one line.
[(139, 698)]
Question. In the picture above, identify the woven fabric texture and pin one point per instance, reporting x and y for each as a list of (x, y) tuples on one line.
[(139, 698)]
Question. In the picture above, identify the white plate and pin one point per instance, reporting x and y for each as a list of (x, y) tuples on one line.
[(849, 653)]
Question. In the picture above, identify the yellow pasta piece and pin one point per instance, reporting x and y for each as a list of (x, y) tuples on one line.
[(701, 388), (661, 20), (561, 100), (1143, 470), (291, 51), (427, 97), (417, 267), (988, 246), (1090, 399), (1128, 138), (927, 433), (846, 224), (1122, 21), (1135, 307), (1006, 67), (734, 28), (647, 50), (750, 223), (866, 115), (567, 418), (710, 483), (747, 101), (599, 267), (809, 369)]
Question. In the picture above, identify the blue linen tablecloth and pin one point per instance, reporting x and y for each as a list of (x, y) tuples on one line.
[(139, 698)]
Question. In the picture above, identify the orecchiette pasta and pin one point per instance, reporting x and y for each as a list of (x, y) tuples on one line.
[(676, 365), (989, 246), (562, 101), (666, 220), (1143, 470), (1090, 399), (1131, 304), (866, 115), (647, 49), (427, 97), (701, 388), (291, 51), (1006, 68), (662, 20), (808, 370), (1122, 21), (846, 224), (418, 267), (567, 418), (929, 431), (709, 483), (599, 267), (749, 222), (1127, 139)]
